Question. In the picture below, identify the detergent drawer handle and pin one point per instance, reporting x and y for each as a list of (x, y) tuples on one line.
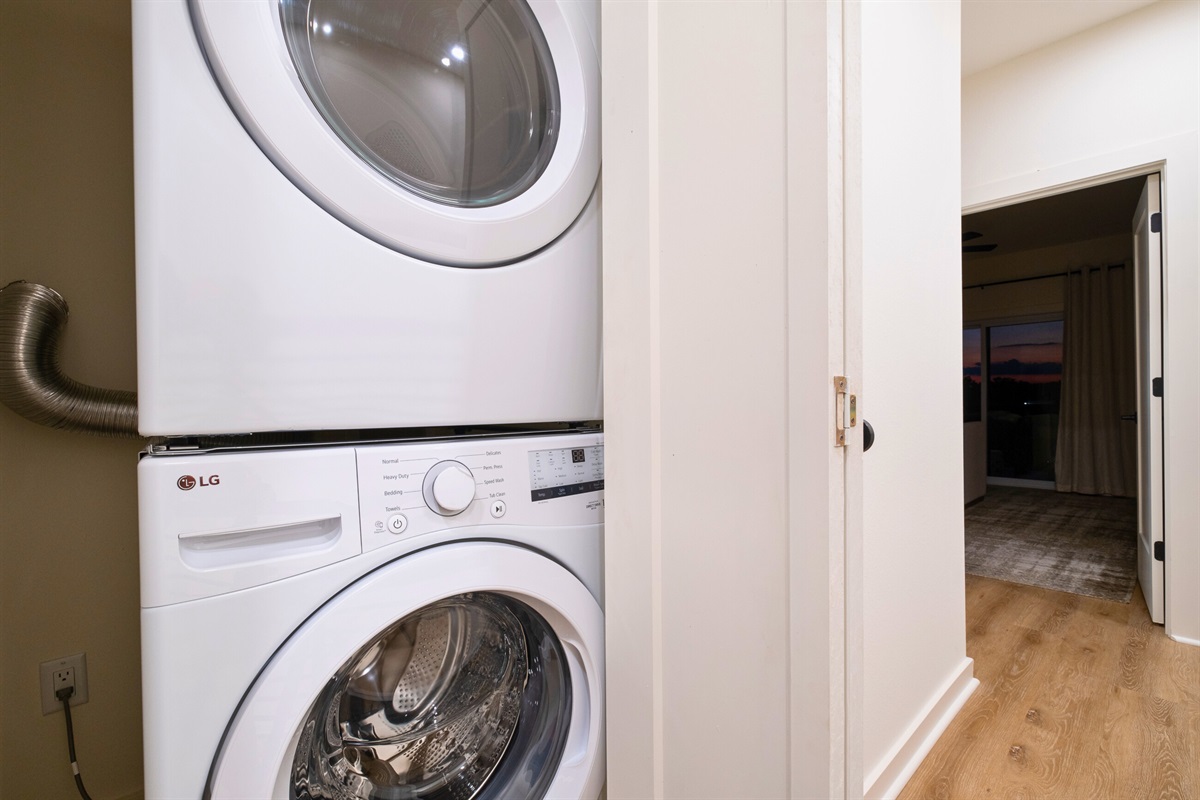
[(208, 550)]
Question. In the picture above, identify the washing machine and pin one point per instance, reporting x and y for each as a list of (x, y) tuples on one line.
[(366, 214), (418, 620)]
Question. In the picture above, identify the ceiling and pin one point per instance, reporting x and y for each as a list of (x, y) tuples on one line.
[(1063, 218), (994, 31)]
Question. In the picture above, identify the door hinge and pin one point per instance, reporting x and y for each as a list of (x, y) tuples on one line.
[(1156, 222), (1160, 551), (1156, 387), (845, 411)]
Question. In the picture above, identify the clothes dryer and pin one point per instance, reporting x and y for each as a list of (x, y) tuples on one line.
[(355, 214), (386, 621)]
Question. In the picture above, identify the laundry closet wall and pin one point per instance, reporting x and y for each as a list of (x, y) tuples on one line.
[(68, 511)]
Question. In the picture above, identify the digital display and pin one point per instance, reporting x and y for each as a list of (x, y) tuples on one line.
[(566, 472)]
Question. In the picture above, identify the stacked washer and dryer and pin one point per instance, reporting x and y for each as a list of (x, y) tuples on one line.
[(357, 216)]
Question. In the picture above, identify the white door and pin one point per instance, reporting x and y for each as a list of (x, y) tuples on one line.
[(471, 671), (1147, 259)]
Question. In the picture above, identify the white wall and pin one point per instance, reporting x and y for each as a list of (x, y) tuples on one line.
[(917, 674), (68, 502), (1116, 100), (722, 298)]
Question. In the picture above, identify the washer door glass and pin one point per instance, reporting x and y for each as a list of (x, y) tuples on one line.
[(456, 100), (469, 697)]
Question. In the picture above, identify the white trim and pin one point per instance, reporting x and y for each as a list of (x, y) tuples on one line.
[(847, 591), (890, 777), (1041, 190), (1185, 640)]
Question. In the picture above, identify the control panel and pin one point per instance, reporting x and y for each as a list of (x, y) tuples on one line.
[(565, 471), (406, 490)]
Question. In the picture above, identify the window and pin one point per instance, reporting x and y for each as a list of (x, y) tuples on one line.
[(1024, 371)]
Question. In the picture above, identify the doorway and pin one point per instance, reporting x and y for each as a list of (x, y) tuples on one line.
[(1056, 433)]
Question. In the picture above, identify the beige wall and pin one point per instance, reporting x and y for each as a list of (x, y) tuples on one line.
[(68, 524), (1084, 107), (1035, 297)]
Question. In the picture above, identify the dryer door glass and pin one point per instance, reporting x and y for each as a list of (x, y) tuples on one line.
[(456, 100), (469, 697)]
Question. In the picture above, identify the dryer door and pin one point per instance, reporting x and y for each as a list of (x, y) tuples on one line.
[(471, 670), (463, 132)]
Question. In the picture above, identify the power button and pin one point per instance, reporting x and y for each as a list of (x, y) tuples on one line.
[(397, 523)]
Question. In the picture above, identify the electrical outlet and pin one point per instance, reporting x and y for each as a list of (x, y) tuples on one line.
[(62, 678), (62, 672)]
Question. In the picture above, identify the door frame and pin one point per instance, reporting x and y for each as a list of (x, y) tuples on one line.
[(1175, 159)]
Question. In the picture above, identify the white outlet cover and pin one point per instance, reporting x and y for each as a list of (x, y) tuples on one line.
[(78, 661)]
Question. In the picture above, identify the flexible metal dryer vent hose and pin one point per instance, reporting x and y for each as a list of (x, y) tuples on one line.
[(32, 318)]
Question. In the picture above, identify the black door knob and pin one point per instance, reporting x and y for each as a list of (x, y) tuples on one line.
[(868, 436)]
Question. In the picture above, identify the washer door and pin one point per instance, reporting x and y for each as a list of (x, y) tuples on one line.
[(463, 132), (466, 672)]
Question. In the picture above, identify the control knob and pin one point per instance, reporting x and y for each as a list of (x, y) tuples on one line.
[(449, 487)]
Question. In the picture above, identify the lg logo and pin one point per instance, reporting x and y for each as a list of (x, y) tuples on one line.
[(187, 482)]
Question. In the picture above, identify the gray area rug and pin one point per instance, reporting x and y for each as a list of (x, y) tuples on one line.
[(1067, 542)]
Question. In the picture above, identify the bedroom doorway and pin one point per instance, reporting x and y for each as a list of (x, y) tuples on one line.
[(1062, 433)]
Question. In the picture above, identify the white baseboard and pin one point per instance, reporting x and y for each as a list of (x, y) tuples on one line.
[(886, 780), (1185, 640)]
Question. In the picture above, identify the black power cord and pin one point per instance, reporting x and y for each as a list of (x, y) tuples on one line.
[(65, 696)]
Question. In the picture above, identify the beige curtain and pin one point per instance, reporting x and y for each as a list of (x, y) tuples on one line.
[(1097, 451)]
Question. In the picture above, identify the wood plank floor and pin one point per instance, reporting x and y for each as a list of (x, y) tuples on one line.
[(1080, 699)]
